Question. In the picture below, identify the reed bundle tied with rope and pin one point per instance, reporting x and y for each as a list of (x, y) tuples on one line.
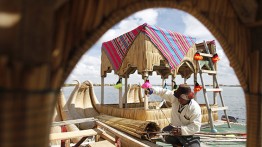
[(135, 128)]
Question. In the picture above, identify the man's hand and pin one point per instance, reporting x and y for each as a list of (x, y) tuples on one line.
[(148, 91), (177, 131)]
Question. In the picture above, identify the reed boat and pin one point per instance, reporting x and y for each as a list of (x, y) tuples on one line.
[(142, 52), (142, 132)]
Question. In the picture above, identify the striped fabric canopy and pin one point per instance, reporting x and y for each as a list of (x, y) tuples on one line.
[(172, 45)]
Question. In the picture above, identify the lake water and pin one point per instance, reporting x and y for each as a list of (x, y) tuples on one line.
[(233, 98)]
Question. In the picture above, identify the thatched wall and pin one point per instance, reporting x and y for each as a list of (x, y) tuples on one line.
[(136, 111), (41, 41)]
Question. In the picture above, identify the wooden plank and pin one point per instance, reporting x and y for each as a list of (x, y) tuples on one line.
[(214, 89), (209, 71), (108, 137), (104, 143), (206, 55), (76, 121), (219, 108), (75, 134)]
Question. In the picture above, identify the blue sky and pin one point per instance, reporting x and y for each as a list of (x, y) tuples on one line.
[(88, 67)]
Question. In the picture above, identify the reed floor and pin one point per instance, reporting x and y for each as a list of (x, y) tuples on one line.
[(236, 139), (237, 130)]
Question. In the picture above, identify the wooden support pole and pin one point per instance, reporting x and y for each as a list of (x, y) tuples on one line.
[(172, 83), (126, 78), (120, 96), (195, 80), (215, 85), (102, 89), (145, 96)]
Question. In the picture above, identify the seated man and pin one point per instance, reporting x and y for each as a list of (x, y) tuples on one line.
[(185, 116)]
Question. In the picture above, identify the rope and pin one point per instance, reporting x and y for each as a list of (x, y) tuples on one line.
[(165, 116)]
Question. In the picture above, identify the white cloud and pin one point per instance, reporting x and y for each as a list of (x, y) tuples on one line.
[(130, 23), (87, 68), (195, 28), (149, 16)]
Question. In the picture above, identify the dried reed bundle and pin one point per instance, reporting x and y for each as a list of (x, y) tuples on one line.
[(135, 128)]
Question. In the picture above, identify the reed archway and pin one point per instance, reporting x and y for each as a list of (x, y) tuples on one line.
[(226, 27), (45, 40)]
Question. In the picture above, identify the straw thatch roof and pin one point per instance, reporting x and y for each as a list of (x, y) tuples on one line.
[(41, 42), (147, 49)]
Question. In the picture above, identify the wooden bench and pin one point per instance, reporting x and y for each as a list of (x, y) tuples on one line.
[(66, 136), (75, 134)]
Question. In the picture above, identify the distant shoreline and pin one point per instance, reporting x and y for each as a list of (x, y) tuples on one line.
[(68, 85), (170, 85)]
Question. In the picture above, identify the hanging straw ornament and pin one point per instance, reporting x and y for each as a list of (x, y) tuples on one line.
[(146, 85), (118, 83), (197, 87)]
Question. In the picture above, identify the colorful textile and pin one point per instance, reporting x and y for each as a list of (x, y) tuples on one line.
[(172, 45), (117, 48)]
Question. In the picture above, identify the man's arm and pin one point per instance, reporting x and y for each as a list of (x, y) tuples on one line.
[(164, 93)]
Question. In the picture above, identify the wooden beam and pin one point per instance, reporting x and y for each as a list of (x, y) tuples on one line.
[(103, 143), (108, 137), (76, 121)]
